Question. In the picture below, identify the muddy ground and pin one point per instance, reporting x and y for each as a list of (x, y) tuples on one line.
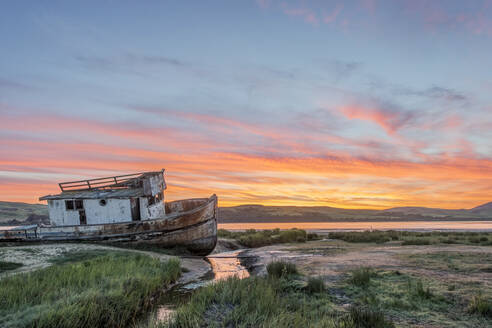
[(332, 259)]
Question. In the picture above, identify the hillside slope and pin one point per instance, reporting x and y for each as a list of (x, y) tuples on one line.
[(17, 213), (259, 213)]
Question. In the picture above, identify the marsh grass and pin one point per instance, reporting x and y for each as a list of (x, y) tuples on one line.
[(89, 290), (361, 317), (480, 305), (455, 262), (281, 269), (415, 238), (258, 238), (409, 299), (267, 302), (315, 285), (78, 256), (365, 236), (417, 289), (416, 241), (8, 266), (176, 250), (361, 277)]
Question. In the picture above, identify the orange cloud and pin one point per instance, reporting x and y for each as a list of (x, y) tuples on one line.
[(390, 121), (198, 165)]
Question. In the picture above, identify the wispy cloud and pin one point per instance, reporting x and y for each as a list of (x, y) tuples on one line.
[(11, 84), (130, 63), (434, 92), (307, 14)]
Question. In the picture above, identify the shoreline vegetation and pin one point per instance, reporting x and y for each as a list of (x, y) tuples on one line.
[(86, 289), (258, 238)]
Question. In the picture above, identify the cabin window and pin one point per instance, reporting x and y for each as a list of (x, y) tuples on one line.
[(79, 205), (69, 205), (102, 202)]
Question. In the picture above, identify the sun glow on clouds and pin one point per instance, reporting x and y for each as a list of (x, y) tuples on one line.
[(213, 164)]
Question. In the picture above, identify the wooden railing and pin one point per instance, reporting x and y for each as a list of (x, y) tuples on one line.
[(117, 181)]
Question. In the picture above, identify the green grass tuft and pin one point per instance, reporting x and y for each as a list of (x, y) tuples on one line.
[(315, 285), (361, 277), (281, 269), (480, 305), (417, 289), (367, 318)]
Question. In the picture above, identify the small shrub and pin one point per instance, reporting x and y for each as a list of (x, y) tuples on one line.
[(367, 318), (378, 237), (361, 277), (281, 269), (416, 242), (449, 241), (313, 236), (222, 233), (474, 240), (480, 305), (259, 238), (315, 285), (417, 289)]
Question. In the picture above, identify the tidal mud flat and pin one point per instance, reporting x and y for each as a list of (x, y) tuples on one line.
[(338, 280)]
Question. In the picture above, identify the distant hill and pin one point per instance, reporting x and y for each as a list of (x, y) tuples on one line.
[(259, 213), (13, 213), (484, 210)]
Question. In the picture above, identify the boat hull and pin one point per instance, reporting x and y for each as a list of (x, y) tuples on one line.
[(190, 223)]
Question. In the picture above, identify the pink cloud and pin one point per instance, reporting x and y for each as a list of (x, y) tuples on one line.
[(308, 15), (263, 3), (331, 17), (390, 121)]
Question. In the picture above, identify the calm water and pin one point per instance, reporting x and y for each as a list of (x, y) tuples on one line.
[(401, 225)]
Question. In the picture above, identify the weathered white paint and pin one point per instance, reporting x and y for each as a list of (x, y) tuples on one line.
[(154, 184), (59, 216), (157, 210), (144, 212), (115, 210)]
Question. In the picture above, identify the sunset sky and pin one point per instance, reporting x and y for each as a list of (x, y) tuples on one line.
[(356, 104)]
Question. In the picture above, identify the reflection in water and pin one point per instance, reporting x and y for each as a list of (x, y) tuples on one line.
[(226, 265), (379, 225)]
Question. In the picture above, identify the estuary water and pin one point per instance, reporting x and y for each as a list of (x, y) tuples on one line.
[(360, 226)]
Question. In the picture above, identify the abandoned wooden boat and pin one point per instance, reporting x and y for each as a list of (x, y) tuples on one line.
[(124, 209)]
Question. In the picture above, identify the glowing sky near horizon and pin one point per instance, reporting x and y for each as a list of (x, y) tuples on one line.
[(356, 104)]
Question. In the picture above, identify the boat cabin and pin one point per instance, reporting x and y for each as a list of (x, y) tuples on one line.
[(123, 198)]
